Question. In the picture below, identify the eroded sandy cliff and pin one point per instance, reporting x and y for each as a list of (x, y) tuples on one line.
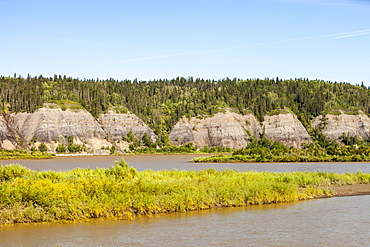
[(286, 129), (333, 126), (52, 126), (234, 130), (119, 125), (7, 136), (227, 129)]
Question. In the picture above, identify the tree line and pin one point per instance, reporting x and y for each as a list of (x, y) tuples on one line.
[(161, 103)]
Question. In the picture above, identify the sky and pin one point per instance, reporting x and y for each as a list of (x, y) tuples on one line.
[(158, 39)]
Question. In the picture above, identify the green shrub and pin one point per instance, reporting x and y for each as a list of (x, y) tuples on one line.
[(61, 148), (123, 192), (42, 147)]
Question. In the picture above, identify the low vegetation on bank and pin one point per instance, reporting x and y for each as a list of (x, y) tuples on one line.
[(188, 148), (122, 192), (162, 103), (263, 150), (23, 154)]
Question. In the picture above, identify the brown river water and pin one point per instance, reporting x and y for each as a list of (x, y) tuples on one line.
[(339, 221)]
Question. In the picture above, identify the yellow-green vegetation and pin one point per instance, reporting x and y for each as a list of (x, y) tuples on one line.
[(67, 104), (117, 108), (123, 192), (188, 148), (338, 110), (23, 154), (284, 110), (162, 103), (293, 155), (351, 149)]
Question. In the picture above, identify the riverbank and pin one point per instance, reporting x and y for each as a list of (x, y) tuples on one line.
[(257, 158), (23, 154), (350, 189), (122, 192)]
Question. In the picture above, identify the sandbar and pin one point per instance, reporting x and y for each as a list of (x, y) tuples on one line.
[(350, 190)]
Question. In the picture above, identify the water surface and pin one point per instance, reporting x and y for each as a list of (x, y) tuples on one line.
[(181, 162), (340, 221)]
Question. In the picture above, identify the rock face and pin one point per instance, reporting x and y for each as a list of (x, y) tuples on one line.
[(286, 129), (119, 125), (335, 125), (223, 129), (234, 130), (7, 138), (53, 126), (116, 126)]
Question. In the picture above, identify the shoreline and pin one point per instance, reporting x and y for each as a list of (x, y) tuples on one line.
[(174, 154), (339, 190), (129, 154), (123, 192), (350, 190)]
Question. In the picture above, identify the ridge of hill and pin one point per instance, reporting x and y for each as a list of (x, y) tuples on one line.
[(227, 112)]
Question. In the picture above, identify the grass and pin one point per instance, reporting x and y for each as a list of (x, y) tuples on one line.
[(23, 154), (123, 192), (338, 110), (280, 153), (280, 158), (67, 104), (284, 110), (188, 148)]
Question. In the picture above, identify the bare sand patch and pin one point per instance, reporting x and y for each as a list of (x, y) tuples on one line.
[(350, 190)]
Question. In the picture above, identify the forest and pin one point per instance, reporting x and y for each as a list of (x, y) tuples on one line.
[(161, 103)]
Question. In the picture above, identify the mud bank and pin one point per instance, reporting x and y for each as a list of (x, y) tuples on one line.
[(351, 190)]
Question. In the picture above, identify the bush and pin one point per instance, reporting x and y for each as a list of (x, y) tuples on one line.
[(112, 149), (61, 148), (123, 192), (42, 147)]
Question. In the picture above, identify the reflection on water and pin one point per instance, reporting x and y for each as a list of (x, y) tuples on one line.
[(340, 221)]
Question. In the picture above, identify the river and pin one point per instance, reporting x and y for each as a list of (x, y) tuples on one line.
[(339, 221), (181, 162)]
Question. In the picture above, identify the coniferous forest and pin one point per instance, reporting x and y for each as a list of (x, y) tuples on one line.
[(84, 194), (161, 103)]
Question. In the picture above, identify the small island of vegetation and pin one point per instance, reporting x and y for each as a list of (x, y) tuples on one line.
[(23, 154), (349, 149), (122, 192)]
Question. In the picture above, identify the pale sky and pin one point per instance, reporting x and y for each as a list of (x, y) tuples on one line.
[(127, 39)]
